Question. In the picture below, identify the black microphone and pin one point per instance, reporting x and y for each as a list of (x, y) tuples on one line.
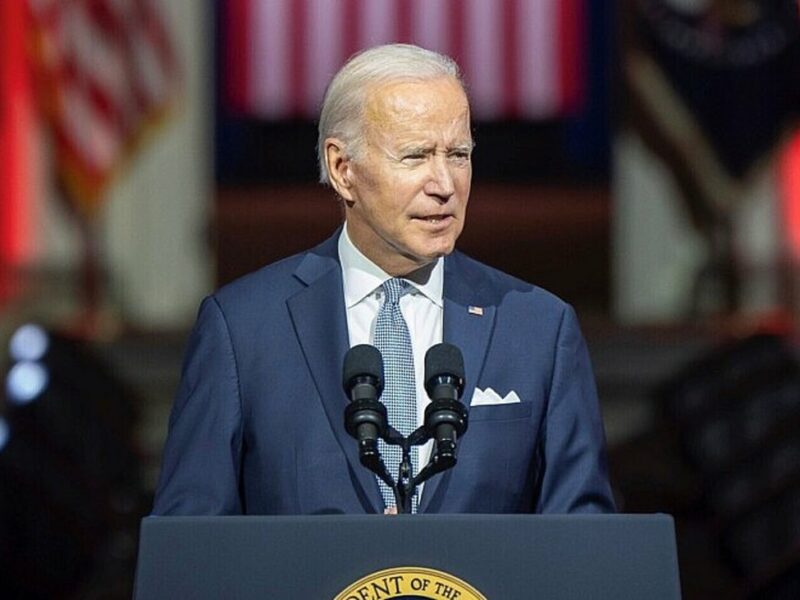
[(445, 416), (365, 416)]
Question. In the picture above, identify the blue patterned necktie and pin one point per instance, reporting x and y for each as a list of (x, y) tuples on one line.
[(399, 391)]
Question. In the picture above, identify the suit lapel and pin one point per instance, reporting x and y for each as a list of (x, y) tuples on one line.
[(320, 321), (468, 324)]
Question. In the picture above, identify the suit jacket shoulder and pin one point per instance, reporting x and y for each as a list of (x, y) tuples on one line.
[(245, 301), (278, 281)]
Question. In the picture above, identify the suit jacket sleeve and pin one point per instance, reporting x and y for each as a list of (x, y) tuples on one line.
[(201, 465), (573, 466)]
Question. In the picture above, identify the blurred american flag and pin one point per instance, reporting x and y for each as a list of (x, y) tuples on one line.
[(520, 58), (106, 70)]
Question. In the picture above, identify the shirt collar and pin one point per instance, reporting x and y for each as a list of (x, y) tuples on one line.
[(361, 276)]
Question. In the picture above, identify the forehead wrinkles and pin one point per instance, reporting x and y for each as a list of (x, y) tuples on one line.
[(407, 109)]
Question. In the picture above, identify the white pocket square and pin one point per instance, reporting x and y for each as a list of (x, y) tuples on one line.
[(489, 397)]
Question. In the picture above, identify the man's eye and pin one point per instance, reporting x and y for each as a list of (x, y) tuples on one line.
[(414, 156)]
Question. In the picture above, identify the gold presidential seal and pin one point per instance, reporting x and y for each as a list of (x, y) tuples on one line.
[(410, 583)]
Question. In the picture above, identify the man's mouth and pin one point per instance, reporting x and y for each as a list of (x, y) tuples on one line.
[(435, 219)]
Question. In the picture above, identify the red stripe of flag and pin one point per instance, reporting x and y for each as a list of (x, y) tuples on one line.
[(351, 27), (236, 60), (120, 30), (156, 32), (510, 45), (104, 104), (571, 53), (136, 39), (403, 21), (105, 18), (74, 156), (116, 30), (458, 25), (298, 58)]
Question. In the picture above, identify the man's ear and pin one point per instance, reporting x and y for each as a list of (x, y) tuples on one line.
[(339, 167)]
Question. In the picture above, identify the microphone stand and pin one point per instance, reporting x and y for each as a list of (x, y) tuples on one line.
[(440, 412), (406, 485), (404, 488)]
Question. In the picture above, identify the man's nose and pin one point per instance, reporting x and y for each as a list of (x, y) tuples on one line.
[(440, 183)]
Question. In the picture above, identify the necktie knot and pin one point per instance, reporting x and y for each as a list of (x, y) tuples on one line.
[(394, 289)]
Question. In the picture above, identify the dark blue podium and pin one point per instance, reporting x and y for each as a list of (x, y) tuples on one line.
[(377, 557)]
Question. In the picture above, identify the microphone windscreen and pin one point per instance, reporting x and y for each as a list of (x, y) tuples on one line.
[(362, 360), (443, 359)]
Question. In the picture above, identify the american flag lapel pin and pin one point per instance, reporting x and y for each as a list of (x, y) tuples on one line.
[(475, 310)]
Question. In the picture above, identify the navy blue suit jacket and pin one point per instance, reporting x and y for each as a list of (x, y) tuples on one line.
[(258, 427)]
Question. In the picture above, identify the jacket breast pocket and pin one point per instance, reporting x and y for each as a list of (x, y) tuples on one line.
[(494, 470), (501, 412)]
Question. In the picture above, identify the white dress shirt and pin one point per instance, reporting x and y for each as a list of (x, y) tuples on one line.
[(422, 309)]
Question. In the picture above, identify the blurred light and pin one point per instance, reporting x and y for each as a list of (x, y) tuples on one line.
[(29, 342), (789, 176), (5, 433), (26, 381)]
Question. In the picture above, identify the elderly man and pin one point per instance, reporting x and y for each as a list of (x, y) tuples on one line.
[(258, 426)]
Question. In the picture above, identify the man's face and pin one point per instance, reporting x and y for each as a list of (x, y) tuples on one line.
[(407, 192)]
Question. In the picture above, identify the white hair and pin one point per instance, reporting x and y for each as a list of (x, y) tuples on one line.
[(343, 107)]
